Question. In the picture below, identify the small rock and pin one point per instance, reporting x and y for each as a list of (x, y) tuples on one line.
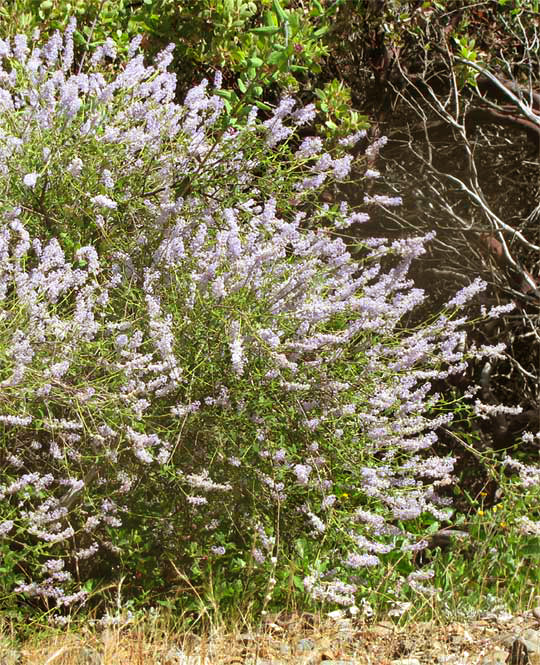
[(532, 636), (536, 613), (406, 661), (9, 657), (305, 644), (495, 658)]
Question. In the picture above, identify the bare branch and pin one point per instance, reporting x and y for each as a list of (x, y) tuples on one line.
[(523, 108)]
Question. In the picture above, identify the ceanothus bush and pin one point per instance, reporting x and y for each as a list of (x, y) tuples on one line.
[(196, 362)]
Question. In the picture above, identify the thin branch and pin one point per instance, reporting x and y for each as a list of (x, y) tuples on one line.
[(523, 108)]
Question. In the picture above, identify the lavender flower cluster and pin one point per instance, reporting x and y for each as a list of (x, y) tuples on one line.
[(178, 325)]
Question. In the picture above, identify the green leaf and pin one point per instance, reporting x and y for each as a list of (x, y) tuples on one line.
[(267, 30), (294, 21), (332, 9), (279, 11), (241, 85), (226, 94), (263, 106), (255, 62), (89, 585), (433, 528), (277, 58), (271, 19), (532, 549), (318, 7), (298, 583), (321, 31)]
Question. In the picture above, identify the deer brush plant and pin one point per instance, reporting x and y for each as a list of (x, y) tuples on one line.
[(199, 367)]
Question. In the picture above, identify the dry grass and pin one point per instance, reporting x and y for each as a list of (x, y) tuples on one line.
[(283, 640)]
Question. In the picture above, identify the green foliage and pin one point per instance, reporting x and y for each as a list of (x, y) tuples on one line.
[(497, 566), (334, 104), (466, 50)]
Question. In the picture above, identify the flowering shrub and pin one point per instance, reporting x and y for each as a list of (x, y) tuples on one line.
[(260, 47), (195, 363)]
